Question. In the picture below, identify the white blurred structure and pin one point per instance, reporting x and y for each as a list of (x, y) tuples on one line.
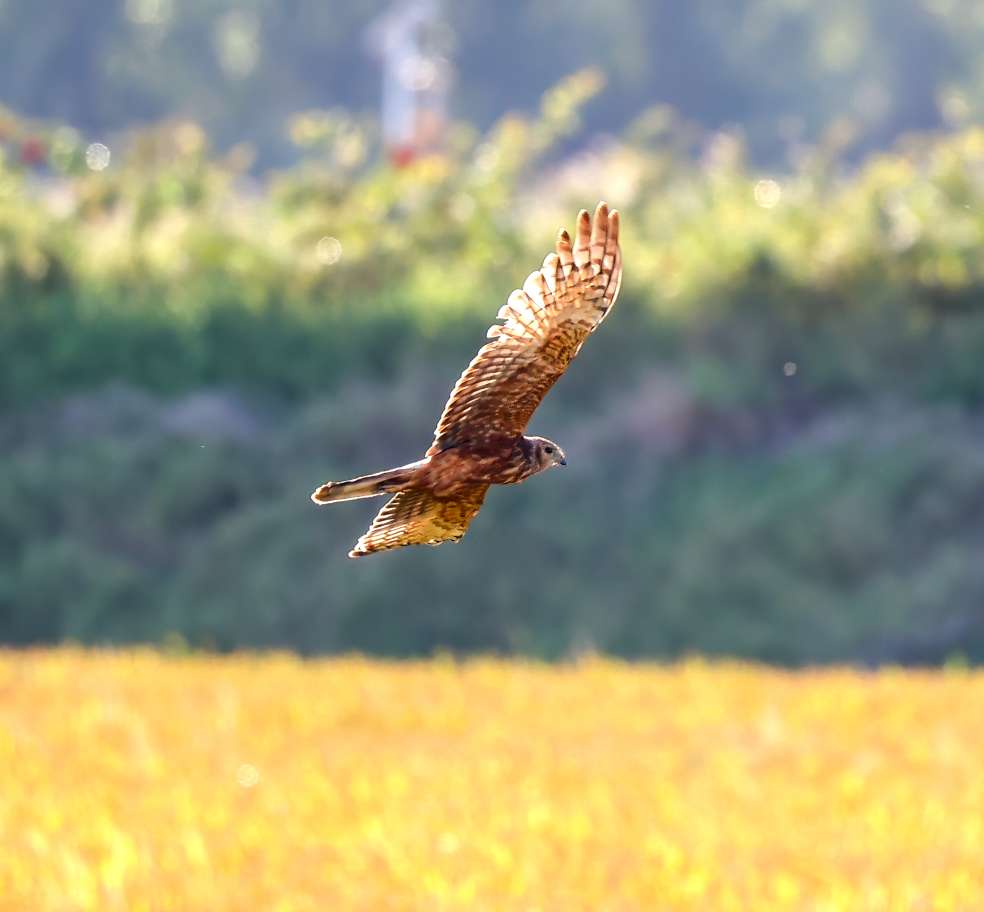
[(411, 40)]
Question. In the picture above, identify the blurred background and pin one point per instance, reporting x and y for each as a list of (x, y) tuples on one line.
[(246, 247)]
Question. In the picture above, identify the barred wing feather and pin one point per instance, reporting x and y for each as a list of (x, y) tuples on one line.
[(418, 517), (545, 324)]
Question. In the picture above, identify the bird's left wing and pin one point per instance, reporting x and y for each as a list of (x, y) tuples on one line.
[(546, 323), (418, 517)]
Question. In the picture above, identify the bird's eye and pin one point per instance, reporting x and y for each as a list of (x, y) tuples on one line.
[(548, 450)]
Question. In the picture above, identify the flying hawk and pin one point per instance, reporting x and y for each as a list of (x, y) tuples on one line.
[(479, 440)]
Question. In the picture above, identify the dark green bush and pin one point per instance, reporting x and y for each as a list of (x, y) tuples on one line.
[(855, 537)]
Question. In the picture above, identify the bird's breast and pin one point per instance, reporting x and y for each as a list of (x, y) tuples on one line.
[(465, 466)]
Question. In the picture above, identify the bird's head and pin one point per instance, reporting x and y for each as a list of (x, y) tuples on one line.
[(546, 453)]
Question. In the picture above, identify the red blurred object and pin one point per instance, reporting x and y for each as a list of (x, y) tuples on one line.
[(402, 156), (33, 151)]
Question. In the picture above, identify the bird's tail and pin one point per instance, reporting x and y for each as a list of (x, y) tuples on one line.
[(387, 482)]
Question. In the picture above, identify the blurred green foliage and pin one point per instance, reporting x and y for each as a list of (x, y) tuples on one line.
[(172, 269), (775, 443)]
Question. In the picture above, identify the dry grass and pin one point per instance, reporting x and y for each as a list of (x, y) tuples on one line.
[(140, 782)]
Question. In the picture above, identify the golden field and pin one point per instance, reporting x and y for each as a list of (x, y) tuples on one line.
[(138, 781)]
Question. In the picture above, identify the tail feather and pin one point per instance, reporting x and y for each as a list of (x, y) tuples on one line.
[(387, 482)]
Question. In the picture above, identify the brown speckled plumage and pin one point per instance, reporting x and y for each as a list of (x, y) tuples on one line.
[(479, 439)]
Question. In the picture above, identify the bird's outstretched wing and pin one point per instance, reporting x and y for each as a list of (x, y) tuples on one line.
[(546, 323), (418, 517)]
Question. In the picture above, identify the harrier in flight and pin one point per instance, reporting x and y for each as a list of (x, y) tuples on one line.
[(479, 440)]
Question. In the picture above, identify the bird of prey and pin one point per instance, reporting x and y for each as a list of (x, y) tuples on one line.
[(480, 438)]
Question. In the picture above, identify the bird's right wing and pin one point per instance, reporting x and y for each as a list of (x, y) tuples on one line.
[(418, 517), (546, 323)]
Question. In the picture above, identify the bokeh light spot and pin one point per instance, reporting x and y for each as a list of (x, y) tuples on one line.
[(328, 250), (97, 156), (237, 43), (247, 775), (767, 193)]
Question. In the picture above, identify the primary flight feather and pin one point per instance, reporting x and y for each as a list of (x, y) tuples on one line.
[(480, 438)]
